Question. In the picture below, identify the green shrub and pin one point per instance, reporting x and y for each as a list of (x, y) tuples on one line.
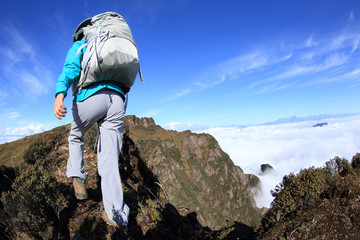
[(307, 203), (149, 213), (254, 181), (7, 176), (90, 138), (355, 162), (35, 204), (296, 192), (37, 150), (44, 144), (337, 166)]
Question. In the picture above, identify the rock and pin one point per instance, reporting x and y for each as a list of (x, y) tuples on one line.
[(266, 168), (321, 124)]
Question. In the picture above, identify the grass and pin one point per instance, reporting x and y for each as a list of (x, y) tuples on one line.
[(11, 154)]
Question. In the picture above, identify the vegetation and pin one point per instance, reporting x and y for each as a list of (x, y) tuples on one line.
[(316, 203), (13, 154), (37, 201), (32, 200), (34, 205)]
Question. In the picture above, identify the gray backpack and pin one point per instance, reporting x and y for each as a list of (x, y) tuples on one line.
[(111, 53)]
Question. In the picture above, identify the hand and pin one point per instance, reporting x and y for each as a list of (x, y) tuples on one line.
[(59, 108)]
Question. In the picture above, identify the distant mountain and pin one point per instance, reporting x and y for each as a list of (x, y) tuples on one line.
[(320, 124), (295, 119)]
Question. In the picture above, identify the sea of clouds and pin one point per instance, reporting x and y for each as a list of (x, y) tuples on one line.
[(287, 147)]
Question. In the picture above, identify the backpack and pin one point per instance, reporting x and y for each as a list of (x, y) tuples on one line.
[(111, 53)]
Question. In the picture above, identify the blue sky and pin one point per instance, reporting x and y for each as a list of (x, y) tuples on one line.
[(205, 63)]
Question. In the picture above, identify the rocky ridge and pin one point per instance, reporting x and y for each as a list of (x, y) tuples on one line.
[(195, 174), (179, 185)]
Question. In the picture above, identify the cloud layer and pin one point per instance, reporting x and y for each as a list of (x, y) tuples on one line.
[(288, 147)]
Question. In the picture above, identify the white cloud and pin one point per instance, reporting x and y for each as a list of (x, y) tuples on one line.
[(310, 42), (178, 126), (333, 60), (33, 85), (309, 61), (341, 41), (288, 147), (233, 68), (11, 134), (351, 17), (151, 113), (353, 76), (219, 79), (10, 56), (313, 64), (12, 115), (296, 63), (180, 94), (17, 40), (9, 114), (355, 45), (273, 88)]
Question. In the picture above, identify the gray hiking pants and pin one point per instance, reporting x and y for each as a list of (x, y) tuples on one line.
[(105, 107)]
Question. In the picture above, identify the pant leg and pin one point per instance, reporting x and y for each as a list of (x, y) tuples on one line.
[(85, 114), (109, 148)]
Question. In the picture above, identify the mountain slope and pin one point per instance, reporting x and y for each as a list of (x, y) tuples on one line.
[(179, 185), (196, 174)]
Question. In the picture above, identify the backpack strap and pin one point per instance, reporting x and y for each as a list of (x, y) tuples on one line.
[(140, 74), (81, 47)]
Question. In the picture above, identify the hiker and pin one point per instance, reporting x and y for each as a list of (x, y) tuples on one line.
[(99, 82)]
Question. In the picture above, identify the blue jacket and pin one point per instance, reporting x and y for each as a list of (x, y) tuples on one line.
[(71, 71)]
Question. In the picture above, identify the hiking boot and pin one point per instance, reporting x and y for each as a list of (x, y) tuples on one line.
[(79, 188)]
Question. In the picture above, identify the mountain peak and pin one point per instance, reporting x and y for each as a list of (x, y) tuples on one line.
[(134, 121)]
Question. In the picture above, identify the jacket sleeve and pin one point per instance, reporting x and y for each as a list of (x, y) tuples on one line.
[(71, 70)]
